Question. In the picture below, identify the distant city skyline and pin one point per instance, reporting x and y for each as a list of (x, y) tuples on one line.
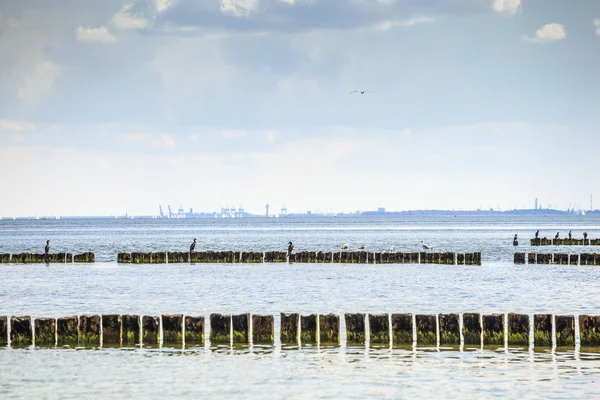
[(117, 106)]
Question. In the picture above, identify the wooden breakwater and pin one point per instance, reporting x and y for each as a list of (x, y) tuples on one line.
[(33, 258), (564, 242), (473, 329), (320, 257), (557, 258)]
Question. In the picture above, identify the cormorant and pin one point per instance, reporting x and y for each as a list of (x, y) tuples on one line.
[(584, 235), (193, 245), (515, 239), (556, 237), (426, 247), (290, 248), (47, 248), (537, 234), (569, 235)]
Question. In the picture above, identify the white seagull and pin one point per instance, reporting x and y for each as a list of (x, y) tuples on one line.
[(344, 246), (426, 247), (362, 91)]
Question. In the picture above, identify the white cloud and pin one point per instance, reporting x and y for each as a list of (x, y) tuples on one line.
[(99, 35), (162, 5), (37, 84), (159, 141), (239, 8), (389, 24), (597, 24), (124, 19), (548, 33), (15, 126), (507, 6), (232, 133)]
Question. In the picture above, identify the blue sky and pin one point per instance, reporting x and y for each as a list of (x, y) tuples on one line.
[(118, 106)]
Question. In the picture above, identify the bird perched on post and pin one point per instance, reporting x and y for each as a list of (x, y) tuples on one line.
[(569, 235), (537, 234), (426, 247), (193, 245), (362, 247), (584, 235), (344, 246), (556, 237), (515, 240), (290, 248), (47, 248)]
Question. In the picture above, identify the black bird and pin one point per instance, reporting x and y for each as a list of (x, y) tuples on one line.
[(515, 239), (47, 248), (537, 234), (193, 245), (290, 248), (556, 237), (584, 235), (569, 235)]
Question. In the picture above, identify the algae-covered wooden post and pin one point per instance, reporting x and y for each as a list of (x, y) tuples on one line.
[(493, 329), (531, 258), (45, 331), (449, 329), (4, 258), (329, 328), (426, 330), (3, 331), (172, 325), (574, 259), (150, 330), (355, 328), (111, 329), (20, 331), (289, 328), (263, 329), (194, 330), (308, 328), (565, 330), (220, 328), (519, 258), (542, 330), (589, 330), (460, 259), (89, 330), (241, 330), (518, 329), (379, 329), (67, 331), (131, 329), (402, 329), (471, 329)]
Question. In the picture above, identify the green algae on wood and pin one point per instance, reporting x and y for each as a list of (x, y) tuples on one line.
[(172, 326), (542, 330), (289, 328), (493, 329), (449, 329), (124, 258), (518, 329), (3, 331), (87, 257), (194, 330), (241, 329), (565, 330), (45, 331), (220, 327), (574, 259), (426, 330), (263, 329), (4, 258), (308, 328), (20, 331), (519, 258), (471, 329), (130, 329), (355, 328), (67, 331), (111, 329), (150, 330), (89, 330), (329, 328), (174, 257), (379, 329), (460, 259), (402, 328), (589, 330), (158, 257)]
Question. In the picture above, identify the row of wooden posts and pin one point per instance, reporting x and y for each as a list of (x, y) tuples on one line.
[(32, 258), (344, 257), (558, 258), (564, 242), (132, 330)]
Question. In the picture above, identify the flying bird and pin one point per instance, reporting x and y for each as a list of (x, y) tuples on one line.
[(426, 247), (362, 91)]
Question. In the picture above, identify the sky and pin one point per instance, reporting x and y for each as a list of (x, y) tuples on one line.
[(116, 106)]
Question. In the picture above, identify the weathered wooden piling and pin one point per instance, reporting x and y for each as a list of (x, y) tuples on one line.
[(589, 330), (449, 329), (596, 259), (544, 258), (194, 330), (308, 328), (518, 329), (355, 328), (89, 330), (586, 259), (493, 329), (20, 331), (124, 258), (379, 329), (414, 258), (87, 257), (3, 331), (17, 258), (329, 328), (426, 330), (45, 331), (560, 259), (141, 258), (158, 257), (112, 326), (449, 258), (531, 258), (4, 258), (150, 330), (468, 258), (174, 257), (460, 259), (574, 259), (67, 331), (565, 330), (130, 329), (402, 329), (519, 258), (289, 328), (263, 329), (220, 328), (241, 329), (542, 330), (172, 325), (471, 329)]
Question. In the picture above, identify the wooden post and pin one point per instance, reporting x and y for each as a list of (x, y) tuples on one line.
[(355, 328), (194, 330), (518, 329), (20, 331), (308, 328), (67, 331), (471, 329), (3, 331), (565, 331), (329, 328), (45, 331), (220, 326), (150, 330), (89, 330), (426, 330), (112, 326), (493, 329), (379, 329), (130, 329), (542, 330), (589, 330), (449, 329), (289, 328), (263, 329), (172, 325), (241, 331), (402, 329)]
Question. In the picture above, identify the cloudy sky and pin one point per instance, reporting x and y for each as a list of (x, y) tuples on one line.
[(117, 106)]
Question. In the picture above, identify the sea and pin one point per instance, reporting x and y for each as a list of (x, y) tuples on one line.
[(302, 371)]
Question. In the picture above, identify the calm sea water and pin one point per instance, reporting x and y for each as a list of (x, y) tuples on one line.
[(307, 372)]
